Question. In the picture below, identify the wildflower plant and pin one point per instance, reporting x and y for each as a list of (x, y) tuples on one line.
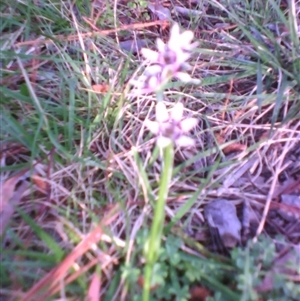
[(170, 127), (170, 61)]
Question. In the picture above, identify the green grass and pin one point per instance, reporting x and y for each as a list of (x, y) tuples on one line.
[(91, 151)]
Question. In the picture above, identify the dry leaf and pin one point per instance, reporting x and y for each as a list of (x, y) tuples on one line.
[(101, 88), (219, 137), (40, 183), (50, 283), (199, 293), (8, 189), (233, 147), (8, 205), (10, 196), (94, 289)]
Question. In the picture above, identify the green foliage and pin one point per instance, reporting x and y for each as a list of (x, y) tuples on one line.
[(137, 4), (175, 272), (252, 265)]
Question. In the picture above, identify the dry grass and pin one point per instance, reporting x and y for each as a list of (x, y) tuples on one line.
[(79, 170)]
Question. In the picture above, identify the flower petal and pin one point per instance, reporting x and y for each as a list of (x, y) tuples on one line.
[(161, 46), (162, 141), (150, 54), (153, 83), (153, 70), (182, 57), (177, 112), (152, 126), (185, 141), (186, 37), (162, 114), (188, 124), (175, 32), (177, 41), (184, 77)]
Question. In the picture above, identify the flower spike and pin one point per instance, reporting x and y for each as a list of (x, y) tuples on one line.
[(171, 126), (168, 62)]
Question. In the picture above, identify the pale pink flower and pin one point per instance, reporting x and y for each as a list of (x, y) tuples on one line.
[(171, 126), (168, 62), (175, 53)]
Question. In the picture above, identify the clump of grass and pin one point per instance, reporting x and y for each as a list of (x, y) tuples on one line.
[(85, 204)]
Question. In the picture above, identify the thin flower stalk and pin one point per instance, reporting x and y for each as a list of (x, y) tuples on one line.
[(153, 245), (170, 127)]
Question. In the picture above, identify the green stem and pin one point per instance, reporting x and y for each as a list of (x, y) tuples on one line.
[(154, 242)]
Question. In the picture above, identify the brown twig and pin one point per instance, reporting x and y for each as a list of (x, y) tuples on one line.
[(94, 33)]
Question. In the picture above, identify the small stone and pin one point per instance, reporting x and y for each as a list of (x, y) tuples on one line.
[(221, 214)]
